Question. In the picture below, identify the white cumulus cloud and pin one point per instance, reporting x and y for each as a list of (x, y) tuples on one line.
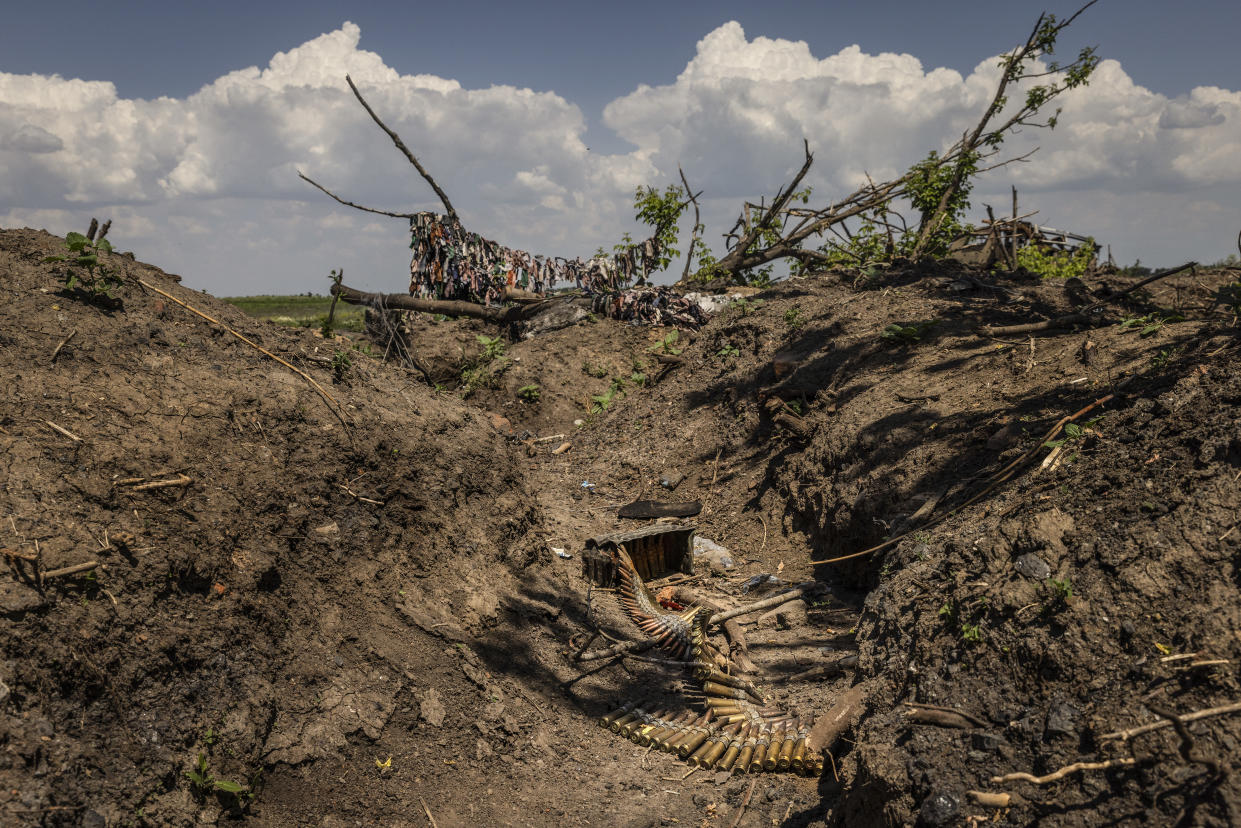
[(206, 185)]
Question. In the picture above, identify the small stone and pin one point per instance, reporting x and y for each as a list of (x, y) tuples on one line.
[(671, 479), (939, 808), (1004, 438), (718, 558), (1032, 566), (432, 708), (985, 741), (1062, 720)]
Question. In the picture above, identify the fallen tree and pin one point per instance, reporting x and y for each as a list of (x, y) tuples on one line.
[(937, 186)]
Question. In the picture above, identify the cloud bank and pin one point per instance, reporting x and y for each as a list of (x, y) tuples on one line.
[(207, 185)]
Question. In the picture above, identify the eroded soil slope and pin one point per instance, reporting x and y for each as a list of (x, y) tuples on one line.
[(352, 607)]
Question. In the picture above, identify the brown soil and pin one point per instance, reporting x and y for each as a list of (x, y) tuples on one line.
[(357, 611)]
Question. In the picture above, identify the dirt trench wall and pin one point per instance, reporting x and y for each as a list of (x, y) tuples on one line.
[(285, 600)]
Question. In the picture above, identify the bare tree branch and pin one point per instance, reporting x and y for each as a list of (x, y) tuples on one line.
[(693, 238), (396, 139), (335, 197), (745, 252)]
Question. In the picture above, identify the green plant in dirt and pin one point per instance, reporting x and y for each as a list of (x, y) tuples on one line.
[(203, 783), (744, 306), (484, 371), (493, 347), (667, 345), (638, 378), (907, 334), (598, 371), (1160, 360), (529, 393), (793, 319), (1074, 432), (340, 364), (1050, 264), (1061, 590), (1150, 324), (971, 633), (602, 402), (729, 350), (86, 272)]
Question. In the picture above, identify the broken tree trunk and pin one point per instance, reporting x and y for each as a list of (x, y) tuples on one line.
[(526, 309)]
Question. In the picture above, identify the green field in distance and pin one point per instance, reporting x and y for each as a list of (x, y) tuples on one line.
[(300, 311)]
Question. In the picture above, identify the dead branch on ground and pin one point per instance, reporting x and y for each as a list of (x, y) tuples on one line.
[(1076, 767), (1223, 710), (1083, 315)]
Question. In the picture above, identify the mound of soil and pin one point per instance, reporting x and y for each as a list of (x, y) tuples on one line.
[(360, 606)]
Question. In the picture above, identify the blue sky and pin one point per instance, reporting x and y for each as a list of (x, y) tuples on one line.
[(603, 76)]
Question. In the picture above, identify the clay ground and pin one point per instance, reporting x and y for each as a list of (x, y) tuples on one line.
[(349, 604)]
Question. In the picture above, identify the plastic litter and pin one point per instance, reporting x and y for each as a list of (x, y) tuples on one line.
[(560, 553)]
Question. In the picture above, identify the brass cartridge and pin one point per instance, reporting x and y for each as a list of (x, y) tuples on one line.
[(662, 729), (785, 757), (799, 753), (734, 750), (691, 745), (703, 749), (606, 721), (719, 743), (760, 750), (634, 728), (674, 743), (617, 724), (773, 749), (714, 689)]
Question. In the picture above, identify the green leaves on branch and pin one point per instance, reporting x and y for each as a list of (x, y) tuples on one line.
[(1050, 264), (661, 212)]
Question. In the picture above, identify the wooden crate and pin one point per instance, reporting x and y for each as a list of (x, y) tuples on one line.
[(656, 551)]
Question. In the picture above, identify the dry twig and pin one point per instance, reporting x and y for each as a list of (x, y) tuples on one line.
[(428, 812), (1235, 707), (75, 438), (62, 344), (1022, 776), (745, 801), (69, 570), (179, 480)]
